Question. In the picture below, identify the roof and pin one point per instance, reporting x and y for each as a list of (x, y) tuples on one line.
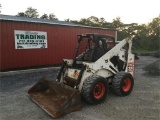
[(45, 21), (96, 35)]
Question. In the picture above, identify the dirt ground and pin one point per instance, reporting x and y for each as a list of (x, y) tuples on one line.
[(142, 104)]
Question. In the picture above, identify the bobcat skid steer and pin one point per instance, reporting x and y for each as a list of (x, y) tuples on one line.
[(99, 63)]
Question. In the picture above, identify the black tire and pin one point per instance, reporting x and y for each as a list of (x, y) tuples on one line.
[(95, 89), (122, 83)]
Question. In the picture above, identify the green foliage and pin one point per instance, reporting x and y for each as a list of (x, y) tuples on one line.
[(117, 24), (44, 16), (31, 12), (22, 14), (67, 20), (92, 21), (147, 36), (52, 17)]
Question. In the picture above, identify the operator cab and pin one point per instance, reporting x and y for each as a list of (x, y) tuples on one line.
[(91, 47)]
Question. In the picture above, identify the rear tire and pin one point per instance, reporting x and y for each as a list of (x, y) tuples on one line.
[(95, 89), (123, 83)]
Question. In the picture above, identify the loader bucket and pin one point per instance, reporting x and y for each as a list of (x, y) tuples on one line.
[(55, 98)]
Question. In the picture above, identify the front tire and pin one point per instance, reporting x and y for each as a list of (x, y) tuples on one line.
[(95, 89), (123, 83)]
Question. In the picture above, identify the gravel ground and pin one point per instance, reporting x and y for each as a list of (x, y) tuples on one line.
[(142, 104)]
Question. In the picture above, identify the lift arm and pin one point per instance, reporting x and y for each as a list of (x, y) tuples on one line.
[(105, 63)]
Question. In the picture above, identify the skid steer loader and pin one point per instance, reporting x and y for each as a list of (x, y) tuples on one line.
[(99, 63)]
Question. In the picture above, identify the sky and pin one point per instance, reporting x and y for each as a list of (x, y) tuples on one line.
[(130, 11)]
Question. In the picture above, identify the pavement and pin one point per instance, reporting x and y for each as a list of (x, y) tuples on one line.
[(142, 104)]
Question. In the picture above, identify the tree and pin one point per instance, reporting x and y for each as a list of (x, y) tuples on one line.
[(116, 23), (31, 12), (84, 21), (21, 14), (147, 36), (67, 20), (92, 21), (44, 16), (52, 17), (154, 34), (102, 22)]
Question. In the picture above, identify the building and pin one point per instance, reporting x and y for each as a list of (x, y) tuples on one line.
[(32, 42)]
